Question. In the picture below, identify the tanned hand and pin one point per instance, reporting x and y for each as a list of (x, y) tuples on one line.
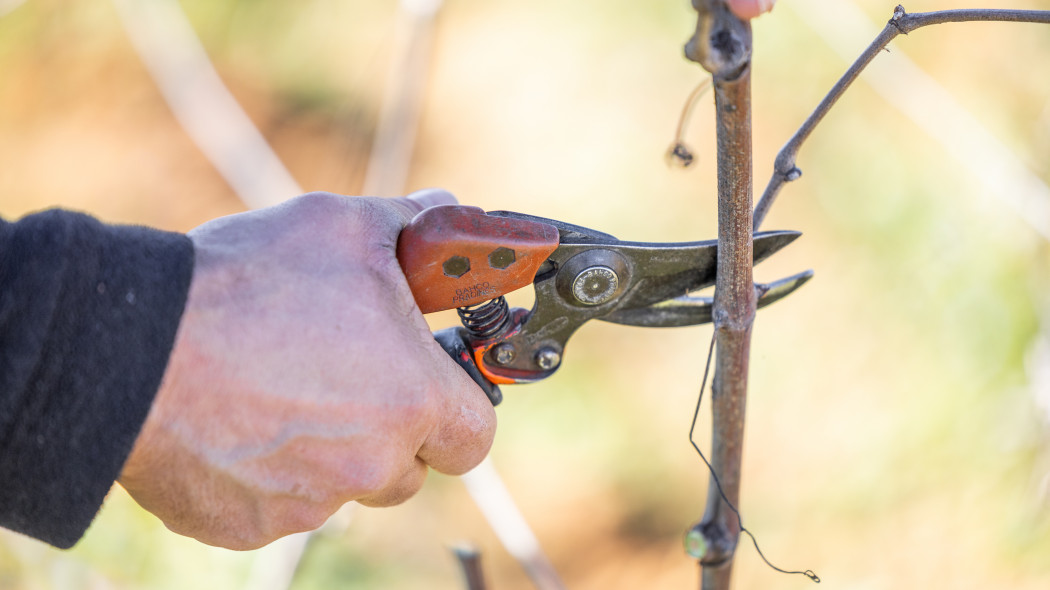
[(303, 377)]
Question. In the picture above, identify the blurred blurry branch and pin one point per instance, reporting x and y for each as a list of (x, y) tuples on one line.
[(785, 169), (399, 113), (499, 509), (7, 6), (212, 117), (1002, 173), (470, 563)]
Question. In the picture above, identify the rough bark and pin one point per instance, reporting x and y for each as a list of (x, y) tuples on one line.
[(722, 44)]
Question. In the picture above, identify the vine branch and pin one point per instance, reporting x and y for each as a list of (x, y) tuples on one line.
[(722, 45), (784, 167)]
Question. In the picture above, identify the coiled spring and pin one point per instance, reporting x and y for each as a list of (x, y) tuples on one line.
[(485, 319)]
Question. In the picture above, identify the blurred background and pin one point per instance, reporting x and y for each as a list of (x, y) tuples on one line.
[(897, 431)]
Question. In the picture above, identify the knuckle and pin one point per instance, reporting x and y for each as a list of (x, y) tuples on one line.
[(238, 528), (407, 485), (245, 536), (355, 216), (318, 200), (301, 518), (467, 440), (249, 543), (371, 477), (282, 517)]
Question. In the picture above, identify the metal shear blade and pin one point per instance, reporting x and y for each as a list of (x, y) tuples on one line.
[(671, 271), (691, 311), (616, 281)]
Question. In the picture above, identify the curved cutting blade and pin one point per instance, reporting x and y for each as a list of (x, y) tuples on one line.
[(669, 271), (691, 311)]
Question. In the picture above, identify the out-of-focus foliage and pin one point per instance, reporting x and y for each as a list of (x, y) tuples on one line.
[(893, 438)]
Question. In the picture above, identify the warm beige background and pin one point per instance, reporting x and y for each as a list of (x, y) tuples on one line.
[(894, 438)]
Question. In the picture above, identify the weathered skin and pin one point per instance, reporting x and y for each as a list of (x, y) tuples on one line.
[(303, 377)]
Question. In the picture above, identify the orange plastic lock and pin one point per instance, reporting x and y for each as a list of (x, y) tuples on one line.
[(457, 256)]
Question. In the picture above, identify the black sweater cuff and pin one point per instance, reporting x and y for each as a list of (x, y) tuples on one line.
[(88, 317)]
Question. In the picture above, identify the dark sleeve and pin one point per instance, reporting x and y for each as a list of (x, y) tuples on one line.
[(88, 315)]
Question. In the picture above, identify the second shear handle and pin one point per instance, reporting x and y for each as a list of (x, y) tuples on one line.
[(454, 341)]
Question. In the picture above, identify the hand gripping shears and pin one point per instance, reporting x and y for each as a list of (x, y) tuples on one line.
[(461, 257)]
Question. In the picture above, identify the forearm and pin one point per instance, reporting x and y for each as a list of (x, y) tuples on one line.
[(88, 314)]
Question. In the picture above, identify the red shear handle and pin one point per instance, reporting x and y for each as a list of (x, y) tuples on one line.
[(457, 256)]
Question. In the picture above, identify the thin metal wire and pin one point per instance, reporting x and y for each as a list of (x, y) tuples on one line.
[(718, 484)]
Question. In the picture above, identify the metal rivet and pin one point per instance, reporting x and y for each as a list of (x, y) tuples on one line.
[(595, 285), (456, 266), (501, 258), (548, 358)]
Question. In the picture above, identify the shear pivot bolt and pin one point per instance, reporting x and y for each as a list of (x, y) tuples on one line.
[(595, 285), (548, 358), (504, 353)]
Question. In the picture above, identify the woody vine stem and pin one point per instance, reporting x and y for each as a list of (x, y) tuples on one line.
[(722, 45)]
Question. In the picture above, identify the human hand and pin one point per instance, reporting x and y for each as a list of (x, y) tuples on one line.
[(749, 9), (303, 377)]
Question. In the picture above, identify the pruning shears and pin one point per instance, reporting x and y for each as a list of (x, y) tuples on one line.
[(461, 257)]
